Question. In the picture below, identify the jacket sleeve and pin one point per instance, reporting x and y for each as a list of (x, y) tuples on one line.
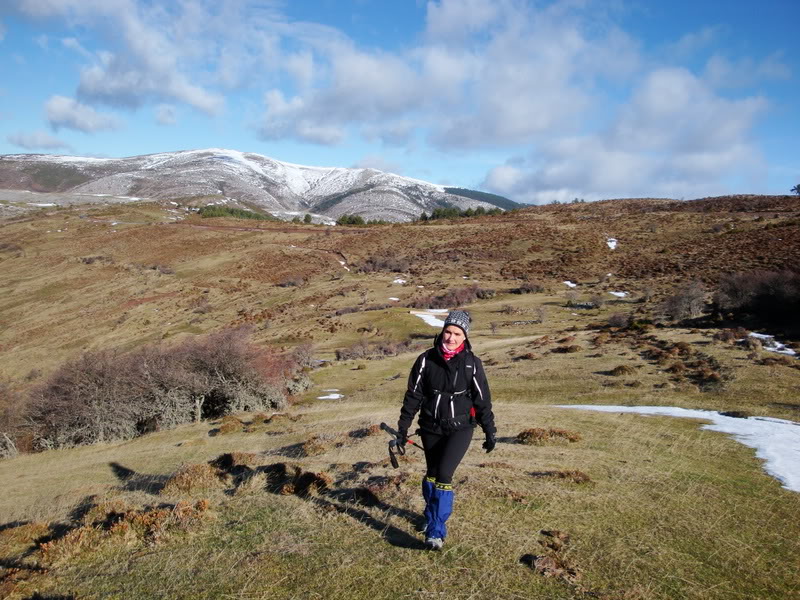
[(413, 398), (482, 399)]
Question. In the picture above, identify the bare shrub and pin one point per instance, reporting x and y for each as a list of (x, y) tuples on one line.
[(529, 287), (571, 298), (540, 312), (485, 293), (107, 395), (620, 320), (293, 281), (771, 296), (597, 300), (450, 299), (392, 264), (372, 351), (687, 302)]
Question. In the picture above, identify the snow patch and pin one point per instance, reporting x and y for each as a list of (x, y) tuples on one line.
[(769, 343), (394, 299), (619, 294), (400, 281), (430, 316), (331, 397), (612, 243), (570, 284), (776, 441)]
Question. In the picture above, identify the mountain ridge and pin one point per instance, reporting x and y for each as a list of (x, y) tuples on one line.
[(281, 188)]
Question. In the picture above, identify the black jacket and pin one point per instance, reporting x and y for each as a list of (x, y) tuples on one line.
[(444, 392)]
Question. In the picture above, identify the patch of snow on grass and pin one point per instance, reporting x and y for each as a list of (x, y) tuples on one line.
[(429, 316), (570, 284), (619, 294), (776, 441), (331, 397), (769, 343), (42, 204), (400, 281), (346, 268), (612, 243), (394, 299)]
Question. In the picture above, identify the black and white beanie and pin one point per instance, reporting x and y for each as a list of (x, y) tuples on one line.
[(459, 318)]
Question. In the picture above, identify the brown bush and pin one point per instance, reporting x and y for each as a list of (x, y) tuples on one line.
[(688, 301), (392, 264), (529, 287), (315, 446), (192, 478), (620, 320), (538, 436), (451, 299), (230, 427), (107, 395), (622, 370), (567, 349), (769, 296)]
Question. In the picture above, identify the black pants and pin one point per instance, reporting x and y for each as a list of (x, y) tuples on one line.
[(443, 453)]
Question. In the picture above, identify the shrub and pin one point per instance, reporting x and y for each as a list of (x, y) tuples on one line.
[(450, 299), (107, 395), (529, 287), (392, 264), (620, 320), (769, 296), (687, 302), (191, 478)]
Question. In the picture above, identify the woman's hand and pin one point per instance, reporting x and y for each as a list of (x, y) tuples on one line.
[(490, 443)]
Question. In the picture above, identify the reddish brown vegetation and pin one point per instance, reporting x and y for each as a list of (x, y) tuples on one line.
[(539, 436)]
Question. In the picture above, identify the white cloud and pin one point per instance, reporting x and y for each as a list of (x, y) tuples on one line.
[(723, 72), (74, 44), (71, 114), (36, 140), (146, 65), (165, 114), (674, 138), (693, 42)]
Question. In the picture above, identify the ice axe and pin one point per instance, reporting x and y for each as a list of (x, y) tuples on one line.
[(395, 445)]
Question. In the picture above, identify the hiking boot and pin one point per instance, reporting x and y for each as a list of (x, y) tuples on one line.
[(434, 543)]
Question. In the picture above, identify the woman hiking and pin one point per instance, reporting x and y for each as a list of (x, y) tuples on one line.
[(448, 387)]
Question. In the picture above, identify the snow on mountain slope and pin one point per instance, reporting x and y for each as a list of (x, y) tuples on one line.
[(244, 177)]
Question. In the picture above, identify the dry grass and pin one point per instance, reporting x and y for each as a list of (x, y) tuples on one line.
[(671, 511), (539, 436)]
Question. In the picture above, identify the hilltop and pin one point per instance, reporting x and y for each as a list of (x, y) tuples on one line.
[(241, 179), (305, 502)]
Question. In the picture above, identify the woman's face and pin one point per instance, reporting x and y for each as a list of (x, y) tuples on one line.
[(452, 337)]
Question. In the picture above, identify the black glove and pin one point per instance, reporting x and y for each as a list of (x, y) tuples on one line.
[(402, 438), (490, 443)]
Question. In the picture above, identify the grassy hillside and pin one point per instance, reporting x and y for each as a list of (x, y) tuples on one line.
[(308, 506)]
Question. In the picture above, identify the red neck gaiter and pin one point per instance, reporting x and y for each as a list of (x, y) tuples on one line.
[(448, 354)]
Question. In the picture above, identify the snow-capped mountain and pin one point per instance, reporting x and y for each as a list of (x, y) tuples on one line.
[(231, 176)]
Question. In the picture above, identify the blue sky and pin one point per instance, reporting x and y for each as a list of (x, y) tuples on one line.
[(538, 101)]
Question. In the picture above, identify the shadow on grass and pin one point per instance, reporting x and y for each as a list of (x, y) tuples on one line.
[(282, 479), (138, 482)]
